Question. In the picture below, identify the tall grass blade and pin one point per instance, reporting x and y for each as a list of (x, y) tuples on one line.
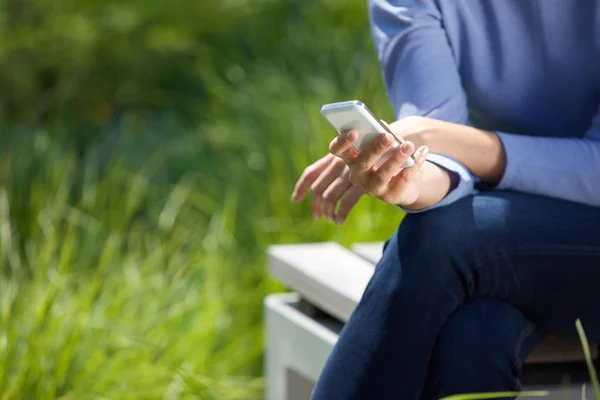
[(588, 358), (496, 395)]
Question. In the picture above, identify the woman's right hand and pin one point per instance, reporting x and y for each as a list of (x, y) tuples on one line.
[(329, 184)]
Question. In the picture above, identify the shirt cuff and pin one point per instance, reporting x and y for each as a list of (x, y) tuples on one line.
[(464, 187), (514, 149)]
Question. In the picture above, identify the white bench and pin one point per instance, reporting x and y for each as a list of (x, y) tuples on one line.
[(328, 280)]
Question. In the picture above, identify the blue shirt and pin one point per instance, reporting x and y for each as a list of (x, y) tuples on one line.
[(526, 69)]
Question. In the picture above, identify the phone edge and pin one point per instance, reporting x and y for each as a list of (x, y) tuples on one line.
[(399, 139), (358, 103)]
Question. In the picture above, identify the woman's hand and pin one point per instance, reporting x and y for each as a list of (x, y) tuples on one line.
[(388, 181), (328, 181), (338, 180)]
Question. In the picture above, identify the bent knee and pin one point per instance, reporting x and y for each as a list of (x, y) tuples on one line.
[(485, 331), (480, 349)]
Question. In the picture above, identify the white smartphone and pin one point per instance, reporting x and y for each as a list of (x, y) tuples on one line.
[(354, 114)]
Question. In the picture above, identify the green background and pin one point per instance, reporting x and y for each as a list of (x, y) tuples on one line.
[(147, 154)]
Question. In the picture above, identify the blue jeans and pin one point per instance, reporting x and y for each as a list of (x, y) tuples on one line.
[(463, 294)]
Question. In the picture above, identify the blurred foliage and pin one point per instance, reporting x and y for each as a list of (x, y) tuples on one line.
[(90, 60), (147, 154), (124, 289)]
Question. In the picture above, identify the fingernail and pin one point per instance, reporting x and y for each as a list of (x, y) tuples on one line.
[(405, 148), (293, 196), (424, 151), (351, 135), (386, 140)]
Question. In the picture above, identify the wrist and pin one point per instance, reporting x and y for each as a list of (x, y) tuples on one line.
[(481, 151), (435, 183)]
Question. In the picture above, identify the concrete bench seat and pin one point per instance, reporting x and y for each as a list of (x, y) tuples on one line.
[(328, 280)]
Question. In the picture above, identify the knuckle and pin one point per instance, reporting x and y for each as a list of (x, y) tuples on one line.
[(408, 175), (398, 157), (338, 162), (338, 159), (363, 165), (308, 171), (379, 178), (317, 190)]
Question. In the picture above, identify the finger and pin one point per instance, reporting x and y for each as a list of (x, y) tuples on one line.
[(348, 201), (371, 153), (341, 146), (334, 170), (420, 158), (334, 193), (421, 155), (328, 209), (308, 177), (408, 174), (389, 169)]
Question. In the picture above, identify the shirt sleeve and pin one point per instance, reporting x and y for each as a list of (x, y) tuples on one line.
[(420, 73), (421, 78), (564, 168)]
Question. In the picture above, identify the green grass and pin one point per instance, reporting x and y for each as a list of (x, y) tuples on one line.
[(588, 359), (123, 289), (496, 395), (143, 173), (135, 267), (143, 277)]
